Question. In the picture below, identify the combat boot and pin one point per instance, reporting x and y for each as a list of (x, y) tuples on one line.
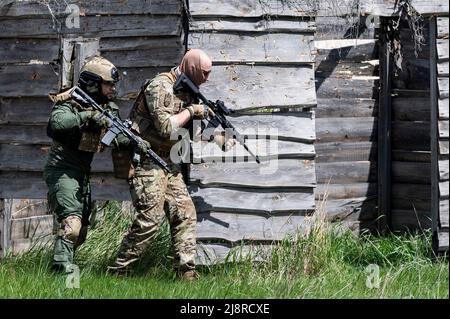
[(118, 271), (189, 276)]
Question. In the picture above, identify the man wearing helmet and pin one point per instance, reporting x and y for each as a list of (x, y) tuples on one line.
[(76, 134), (157, 114)]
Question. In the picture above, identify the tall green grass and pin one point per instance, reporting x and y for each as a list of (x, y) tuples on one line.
[(322, 263)]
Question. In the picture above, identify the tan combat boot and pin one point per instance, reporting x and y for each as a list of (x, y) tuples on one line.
[(190, 275)]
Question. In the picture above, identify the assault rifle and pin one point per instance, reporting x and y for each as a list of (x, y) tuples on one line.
[(217, 111), (116, 126)]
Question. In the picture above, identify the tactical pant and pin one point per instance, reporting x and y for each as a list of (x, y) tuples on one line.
[(69, 198), (156, 195)]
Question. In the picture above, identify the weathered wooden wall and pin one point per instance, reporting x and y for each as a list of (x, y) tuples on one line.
[(410, 142), (263, 60), (440, 131), (141, 37), (346, 119)]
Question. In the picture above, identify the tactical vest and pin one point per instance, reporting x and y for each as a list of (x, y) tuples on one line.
[(142, 121), (90, 137)]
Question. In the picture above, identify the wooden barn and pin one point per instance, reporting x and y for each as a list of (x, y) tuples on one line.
[(358, 129)]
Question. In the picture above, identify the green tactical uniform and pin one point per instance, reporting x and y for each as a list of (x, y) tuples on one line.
[(66, 173), (157, 194)]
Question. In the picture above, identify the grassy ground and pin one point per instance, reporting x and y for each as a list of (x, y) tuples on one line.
[(320, 265)]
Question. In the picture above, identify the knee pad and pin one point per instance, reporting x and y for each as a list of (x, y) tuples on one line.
[(70, 229)]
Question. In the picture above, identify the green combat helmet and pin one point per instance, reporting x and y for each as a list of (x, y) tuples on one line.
[(97, 70)]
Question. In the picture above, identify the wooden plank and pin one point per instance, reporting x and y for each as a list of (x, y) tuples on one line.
[(27, 110), (345, 191), (291, 126), (443, 190), (434, 139), (67, 60), (425, 7), (350, 209), (255, 47), (411, 93), (411, 191), (271, 8), (296, 127), (216, 253), (27, 134), (443, 213), (5, 224), (411, 136), (338, 50), (346, 129), (33, 158), (443, 87), (410, 204), (344, 70), (83, 50), (443, 148), (272, 174), (442, 68), (20, 246), (246, 200), (131, 80), (330, 87), (139, 43), (443, 129), (28, 80), (22, 208), (151, 57), (443, 169), (411, 109), (265, 149), (31, 227), (385, 8), (234, 227), (30, 185), (245, 86), (223, 8), (404, 220), (26, 50), (343, 27), (443, 240), (410, 172), (346, 107), (10, 8), (346, 172), (93, 26), (443, 108), (411, 156), (226, 25), (389, 8), (442, 27), (345, 151)]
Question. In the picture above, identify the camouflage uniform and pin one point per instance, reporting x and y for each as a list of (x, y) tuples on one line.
[(75, 140), (157, 194)]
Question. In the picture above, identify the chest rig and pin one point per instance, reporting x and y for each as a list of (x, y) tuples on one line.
[(90, 135), (142, 117)]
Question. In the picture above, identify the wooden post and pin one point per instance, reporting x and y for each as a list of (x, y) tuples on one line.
[(384, 136), (5, 226), (83, 50), (434, 117)]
